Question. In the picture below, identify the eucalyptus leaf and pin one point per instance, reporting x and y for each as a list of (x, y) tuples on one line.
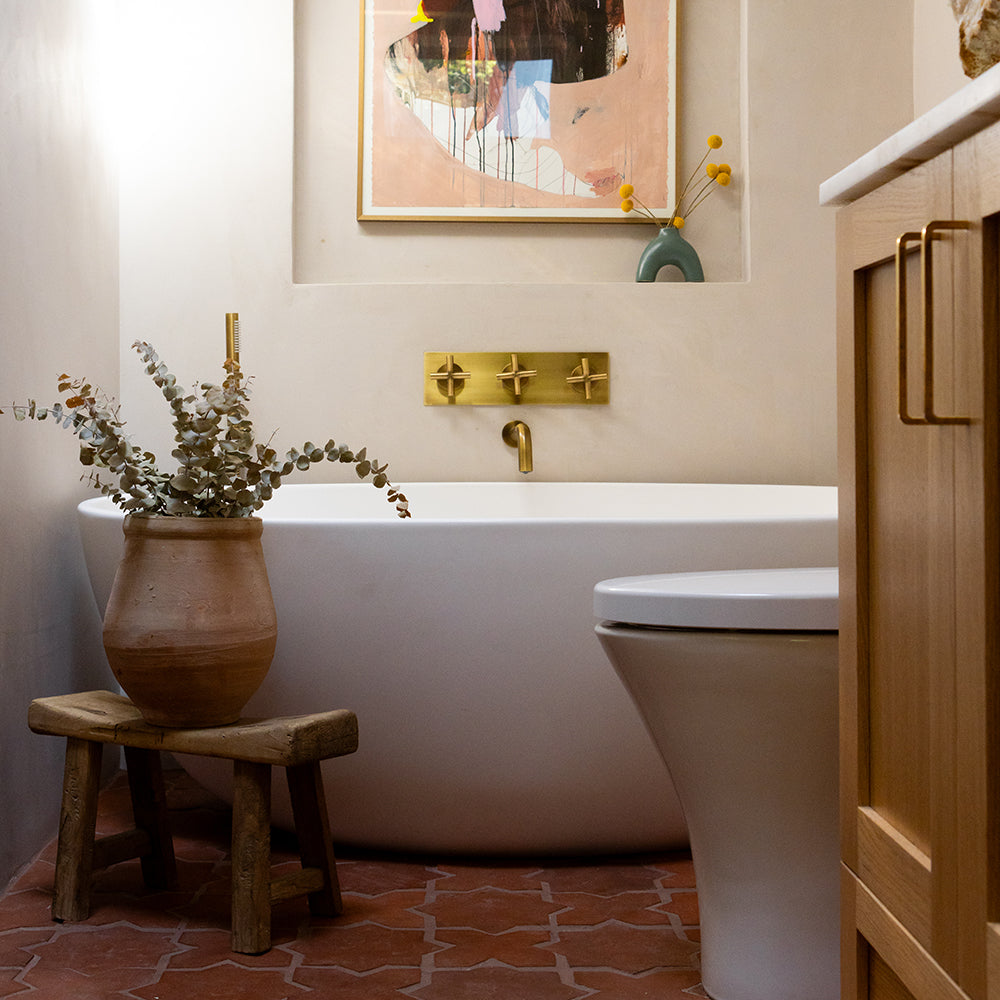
[(186, 483)]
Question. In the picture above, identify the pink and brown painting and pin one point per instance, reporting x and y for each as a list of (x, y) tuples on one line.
[(515, 108)]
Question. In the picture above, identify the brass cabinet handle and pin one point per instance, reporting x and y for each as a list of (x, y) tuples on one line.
[(927, 290), (926, 237), (901, 243)]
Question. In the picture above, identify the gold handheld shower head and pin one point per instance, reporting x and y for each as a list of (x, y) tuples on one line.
[(233, 339)]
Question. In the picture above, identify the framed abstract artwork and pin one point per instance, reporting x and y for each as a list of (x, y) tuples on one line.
[(515, 110)]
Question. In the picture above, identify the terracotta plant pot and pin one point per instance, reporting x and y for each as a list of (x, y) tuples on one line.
[(190, 627)]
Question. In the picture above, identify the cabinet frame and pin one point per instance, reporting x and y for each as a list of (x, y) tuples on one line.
[(920, 865)]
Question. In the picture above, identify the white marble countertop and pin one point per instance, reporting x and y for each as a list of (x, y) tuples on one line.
[(967, 111)]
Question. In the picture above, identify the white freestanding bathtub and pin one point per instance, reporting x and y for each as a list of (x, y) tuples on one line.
[(490, 720)]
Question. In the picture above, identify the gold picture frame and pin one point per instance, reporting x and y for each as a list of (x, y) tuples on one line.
[(454, 125)]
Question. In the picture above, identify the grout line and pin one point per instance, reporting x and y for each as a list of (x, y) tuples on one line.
[(494, 880)]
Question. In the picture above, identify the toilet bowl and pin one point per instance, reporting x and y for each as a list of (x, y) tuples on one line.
[(735, 675)]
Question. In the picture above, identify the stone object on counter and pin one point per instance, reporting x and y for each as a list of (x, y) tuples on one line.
[(978, 34)]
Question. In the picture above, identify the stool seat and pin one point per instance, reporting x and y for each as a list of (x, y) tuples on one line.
[(91, 719), (105, 717)]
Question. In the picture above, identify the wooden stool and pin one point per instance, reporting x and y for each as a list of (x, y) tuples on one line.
[(297, 743)]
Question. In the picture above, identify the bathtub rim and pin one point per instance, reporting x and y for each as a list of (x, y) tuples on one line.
[(103, 506)]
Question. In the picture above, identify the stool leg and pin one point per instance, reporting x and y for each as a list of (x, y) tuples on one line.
[(312, 825), (251, 916), (149, 807), (77, 825)]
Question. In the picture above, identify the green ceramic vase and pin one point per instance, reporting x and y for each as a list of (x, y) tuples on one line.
[(669, 248)]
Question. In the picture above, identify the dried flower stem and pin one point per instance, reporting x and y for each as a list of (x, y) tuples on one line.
[(687, 187), (717, 175)]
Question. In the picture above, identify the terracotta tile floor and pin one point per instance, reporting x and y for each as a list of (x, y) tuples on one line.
[(426, 928)]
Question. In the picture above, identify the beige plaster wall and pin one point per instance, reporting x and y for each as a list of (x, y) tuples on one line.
[(731, 380), (58, 312), (937, 68)]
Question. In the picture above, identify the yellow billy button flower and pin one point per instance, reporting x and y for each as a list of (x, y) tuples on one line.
[(695, 191)]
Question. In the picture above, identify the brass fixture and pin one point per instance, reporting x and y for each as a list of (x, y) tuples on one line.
[(514, 378), (450, 378), (583, 378), (554, 378), (930, 232), (233, 339), (518, 436)]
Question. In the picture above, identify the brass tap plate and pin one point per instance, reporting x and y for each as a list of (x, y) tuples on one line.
[(554, 378)]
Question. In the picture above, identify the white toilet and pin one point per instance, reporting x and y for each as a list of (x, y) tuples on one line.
[(735, 675)]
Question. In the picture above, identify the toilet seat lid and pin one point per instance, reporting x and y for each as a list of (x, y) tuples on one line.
[(803, 599)]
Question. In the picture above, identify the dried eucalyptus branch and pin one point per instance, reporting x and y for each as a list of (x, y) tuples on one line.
[(222, 471)]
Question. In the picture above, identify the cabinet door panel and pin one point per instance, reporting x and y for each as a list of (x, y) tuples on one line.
[(872, 465), (908, 612), (898, 632)]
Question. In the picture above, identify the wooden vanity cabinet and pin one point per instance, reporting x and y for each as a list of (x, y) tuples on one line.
[(920, 681)]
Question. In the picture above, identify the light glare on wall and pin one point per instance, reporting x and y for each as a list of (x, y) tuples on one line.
[(103, 30)]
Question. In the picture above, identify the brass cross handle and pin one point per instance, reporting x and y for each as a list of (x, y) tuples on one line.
[(583, 378), (515, 375), (447, 375)]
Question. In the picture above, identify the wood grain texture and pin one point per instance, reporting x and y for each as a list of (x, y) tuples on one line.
[(916, 969), (896, 871), (149, 808), (105, 717), (251, 920), (305, 786), (920, 565), (77, 822)]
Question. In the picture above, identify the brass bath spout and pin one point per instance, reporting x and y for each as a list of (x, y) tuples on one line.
[(518, 436)]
